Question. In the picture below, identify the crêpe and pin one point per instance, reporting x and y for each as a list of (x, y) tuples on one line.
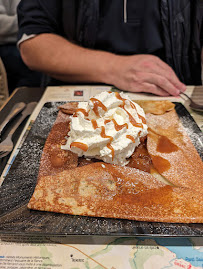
[(155, 107), (54, 159), (172, 152), (105, 190)]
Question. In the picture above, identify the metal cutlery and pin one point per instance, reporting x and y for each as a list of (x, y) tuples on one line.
[(15, 110), (6, 146), (193, 104)]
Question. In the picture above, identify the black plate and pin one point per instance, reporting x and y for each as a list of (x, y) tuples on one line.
[(20, 182)]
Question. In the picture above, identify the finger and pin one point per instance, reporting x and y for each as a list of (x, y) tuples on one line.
[(160, 81), (150, 88), (167, 71)]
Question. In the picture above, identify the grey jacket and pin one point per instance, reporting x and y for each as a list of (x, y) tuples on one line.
[(8, 21)]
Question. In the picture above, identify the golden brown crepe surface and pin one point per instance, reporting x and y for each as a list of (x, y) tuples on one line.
[(121, 192), (105, 190), (54, 159), (69, 108), (172, 152), (155, 107)]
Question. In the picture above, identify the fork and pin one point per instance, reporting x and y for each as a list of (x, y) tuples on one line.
[(6, 146), (15, 110), (193, 104)]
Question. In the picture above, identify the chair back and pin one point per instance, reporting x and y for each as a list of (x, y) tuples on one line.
[(4, 94)]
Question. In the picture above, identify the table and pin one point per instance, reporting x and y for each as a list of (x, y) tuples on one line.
[(22, 94), (17, 251)]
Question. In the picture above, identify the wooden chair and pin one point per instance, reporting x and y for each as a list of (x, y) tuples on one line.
[(4, 94)]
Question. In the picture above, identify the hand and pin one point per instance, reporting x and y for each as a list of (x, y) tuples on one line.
[(146, 73)]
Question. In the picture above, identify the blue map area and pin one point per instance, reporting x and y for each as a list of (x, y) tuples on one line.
[(183, 248)]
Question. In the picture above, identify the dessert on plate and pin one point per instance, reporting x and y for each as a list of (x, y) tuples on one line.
[(108, 158)]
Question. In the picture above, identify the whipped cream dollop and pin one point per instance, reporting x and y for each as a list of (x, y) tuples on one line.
[(107, 127)]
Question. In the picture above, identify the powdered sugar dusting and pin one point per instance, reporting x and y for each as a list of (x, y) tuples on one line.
[(19, 185), (190, 129), (186, 167)]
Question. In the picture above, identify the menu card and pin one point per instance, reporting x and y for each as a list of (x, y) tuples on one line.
[(93, 252)]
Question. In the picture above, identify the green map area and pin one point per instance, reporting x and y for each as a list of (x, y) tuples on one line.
[(100, 253)]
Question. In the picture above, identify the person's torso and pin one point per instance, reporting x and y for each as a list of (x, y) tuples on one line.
[(168, 29), (129, 26)]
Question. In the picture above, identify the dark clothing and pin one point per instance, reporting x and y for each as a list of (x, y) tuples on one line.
[(18, 74), (141, 33), (172, 27)]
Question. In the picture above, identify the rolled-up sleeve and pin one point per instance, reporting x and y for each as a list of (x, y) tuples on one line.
[(39, 16)]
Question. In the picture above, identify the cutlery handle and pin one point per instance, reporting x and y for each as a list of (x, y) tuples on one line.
[(26, 112), (15, 110)]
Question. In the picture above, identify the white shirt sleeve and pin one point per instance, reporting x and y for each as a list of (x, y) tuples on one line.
[(24, 38)]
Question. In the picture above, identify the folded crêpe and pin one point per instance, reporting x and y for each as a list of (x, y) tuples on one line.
[(106, 190), (172, 152)]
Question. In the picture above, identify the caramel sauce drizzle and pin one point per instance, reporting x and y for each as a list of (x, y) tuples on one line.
[(131, 138), (118, 96), (132, 120), (140, 117), (112, 150), (79, 145), (81, 110), (164, 145), (116, 125), (106, 121), (161, 164), (119, 127), (103, 135), (97, 103), (94, 124)]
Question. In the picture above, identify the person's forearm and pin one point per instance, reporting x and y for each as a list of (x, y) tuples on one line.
[(65, 61)]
